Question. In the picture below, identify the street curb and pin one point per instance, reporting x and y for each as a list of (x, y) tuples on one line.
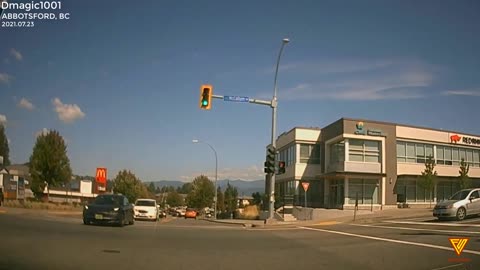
[(344, 220), (244, 224)]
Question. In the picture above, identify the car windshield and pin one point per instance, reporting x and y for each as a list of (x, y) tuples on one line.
[(461, 195), (145, 203), (108, 200)]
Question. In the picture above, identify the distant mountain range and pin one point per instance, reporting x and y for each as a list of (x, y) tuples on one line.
[(244, 187)]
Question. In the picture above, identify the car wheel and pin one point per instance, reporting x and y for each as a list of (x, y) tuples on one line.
[(85, 222), (461, 213), (122, 221), (132, 221)]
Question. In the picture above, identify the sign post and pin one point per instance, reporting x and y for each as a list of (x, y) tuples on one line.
[(305, 186), (356, 207)]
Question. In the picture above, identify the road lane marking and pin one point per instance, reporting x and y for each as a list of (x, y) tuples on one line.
[(433, 223), (326, 223), (413, 229), (275, 229), (390, 240), (448, 266), (470, 220), (420, 219)]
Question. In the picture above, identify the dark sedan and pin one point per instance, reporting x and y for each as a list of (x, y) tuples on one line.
[(109, 209)]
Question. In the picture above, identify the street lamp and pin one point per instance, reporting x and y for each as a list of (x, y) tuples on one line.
[(271, 208), (216, 175)]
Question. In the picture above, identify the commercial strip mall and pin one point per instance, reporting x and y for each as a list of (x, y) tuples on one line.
[(379, 163)]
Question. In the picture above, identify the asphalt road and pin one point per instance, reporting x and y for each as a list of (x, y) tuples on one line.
[(36, 242)]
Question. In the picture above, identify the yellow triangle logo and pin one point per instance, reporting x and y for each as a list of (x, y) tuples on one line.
[(458, 244)]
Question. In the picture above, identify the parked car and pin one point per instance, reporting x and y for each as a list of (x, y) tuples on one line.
[(109, 208), (464, 203), (190, 213), (162, 214), (181, 212), (146, 209)]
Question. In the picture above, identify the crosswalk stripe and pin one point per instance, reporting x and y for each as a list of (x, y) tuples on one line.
[(389, 240), (432, 223), (415, 229)]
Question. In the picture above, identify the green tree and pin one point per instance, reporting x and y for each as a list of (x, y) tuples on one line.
[(202, 193), (129, 185), (157, 190), (220, 200), (49, 164), (4, 150), (151, 187), (464, 180), (109, 185), (231, 198), (167, 189), (186, 188), (174, 199), (429, 177), (257, 198)]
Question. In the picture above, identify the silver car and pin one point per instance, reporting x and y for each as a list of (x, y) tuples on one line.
[(464, 203)]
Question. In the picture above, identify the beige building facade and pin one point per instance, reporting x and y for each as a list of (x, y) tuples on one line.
[(376, 164)]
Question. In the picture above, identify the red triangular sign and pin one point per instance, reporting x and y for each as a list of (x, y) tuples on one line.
[(305, 186)]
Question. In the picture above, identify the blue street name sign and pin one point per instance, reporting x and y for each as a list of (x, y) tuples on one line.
[(236, 99)]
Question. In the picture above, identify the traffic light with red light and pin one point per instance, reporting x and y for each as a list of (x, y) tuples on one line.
[(206, 92), (281, 167)]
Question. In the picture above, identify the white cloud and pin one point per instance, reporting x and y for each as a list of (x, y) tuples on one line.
[(24, 103), (67, 113), (5, 78), (16, 54), (332, 66), (3, 119), (44, 132), (473, 93), (250, 173), (366, 81)]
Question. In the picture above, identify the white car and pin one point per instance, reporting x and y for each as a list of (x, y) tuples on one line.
[(146, 209)]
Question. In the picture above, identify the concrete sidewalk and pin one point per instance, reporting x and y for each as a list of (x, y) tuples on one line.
[(42, 212), (339, 216)]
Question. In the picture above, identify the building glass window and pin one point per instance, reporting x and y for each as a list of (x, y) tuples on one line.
[(337, 152), (414, 152), (414, 192), (476, 158), (288, 155), (310, 153), (411, 152), (440, 155), (463, 154), (469, 158), (445, 189), (366, 189), (401, 152), (447, 155), (364, 151)]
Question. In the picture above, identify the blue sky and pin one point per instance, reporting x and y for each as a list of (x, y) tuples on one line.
[(120, 80)]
